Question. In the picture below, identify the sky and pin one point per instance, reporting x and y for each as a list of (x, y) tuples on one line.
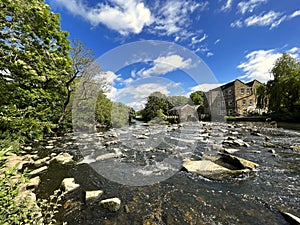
[(176, 46)]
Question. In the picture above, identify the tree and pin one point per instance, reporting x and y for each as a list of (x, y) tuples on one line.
[(178, 100), (198, 97), (103, 110), (34, 67), (284, 90), (262, 97), (155, 102), (81, 57)]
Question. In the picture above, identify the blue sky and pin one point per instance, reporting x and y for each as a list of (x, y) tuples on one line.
[(234, 38)]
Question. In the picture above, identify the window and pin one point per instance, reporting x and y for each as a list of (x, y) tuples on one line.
[(251, 102), (230, 102), (244, 101), (242, 91), (230, 111), (249, 90), (229, 92), (223, 103)]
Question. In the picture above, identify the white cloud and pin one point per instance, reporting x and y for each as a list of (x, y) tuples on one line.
[(294, 14), (249, 6), (217, 41), (271, 18), (237, 23), (165, 64), (227, 6), (136, 96), (194, 39), (123, 16), (203, 87), (173, 16), (294, 52), (258, 65)]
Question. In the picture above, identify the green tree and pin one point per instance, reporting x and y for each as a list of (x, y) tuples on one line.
[(103, 110), (34, 67), (198, 97), (178, 100), (156, 103), (262, 97), (284, 90)]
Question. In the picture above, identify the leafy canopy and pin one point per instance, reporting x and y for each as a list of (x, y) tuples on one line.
[(34, 66)]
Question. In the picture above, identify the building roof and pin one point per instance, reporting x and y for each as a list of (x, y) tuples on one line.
[(195, 107), (227, 85)]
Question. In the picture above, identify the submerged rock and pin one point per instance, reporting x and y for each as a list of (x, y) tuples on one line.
[(111, 204), (68, 184)]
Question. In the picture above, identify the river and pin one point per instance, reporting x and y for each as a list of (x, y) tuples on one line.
[(154, 189)]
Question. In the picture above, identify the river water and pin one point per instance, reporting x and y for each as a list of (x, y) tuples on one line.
[(154, 189)]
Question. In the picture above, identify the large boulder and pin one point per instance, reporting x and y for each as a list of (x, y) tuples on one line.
[(111, 204)]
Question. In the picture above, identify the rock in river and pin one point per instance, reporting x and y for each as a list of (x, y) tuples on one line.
[(69, 184), (206, 169), (237, 162), (64, 158), (91, 196), (111, 204)]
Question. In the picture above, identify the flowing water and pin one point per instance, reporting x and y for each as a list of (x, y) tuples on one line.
[(154, 190)]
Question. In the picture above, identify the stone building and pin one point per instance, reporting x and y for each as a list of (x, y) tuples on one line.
[(234, 98), (185, 113)]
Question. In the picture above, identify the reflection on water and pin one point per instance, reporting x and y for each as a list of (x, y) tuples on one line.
[(186, 198)]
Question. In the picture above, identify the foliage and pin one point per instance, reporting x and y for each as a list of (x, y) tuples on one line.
[(82, 61), (103, 110), (198, 97), (261, 95), (284, 90), (282, 94), (155, 102), (17, 210), (34, 66), (178, 100), (121, 115)]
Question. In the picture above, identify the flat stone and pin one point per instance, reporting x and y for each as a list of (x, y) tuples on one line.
[(34, 182), (292, 219), (69, 184), (91, 196), (49, 147), (295, 148), (237, 162), (268, 145), (111, 204), (210, 169), (38, 171), (42, 161), (108, 143), (230, 150), (64, 158)]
